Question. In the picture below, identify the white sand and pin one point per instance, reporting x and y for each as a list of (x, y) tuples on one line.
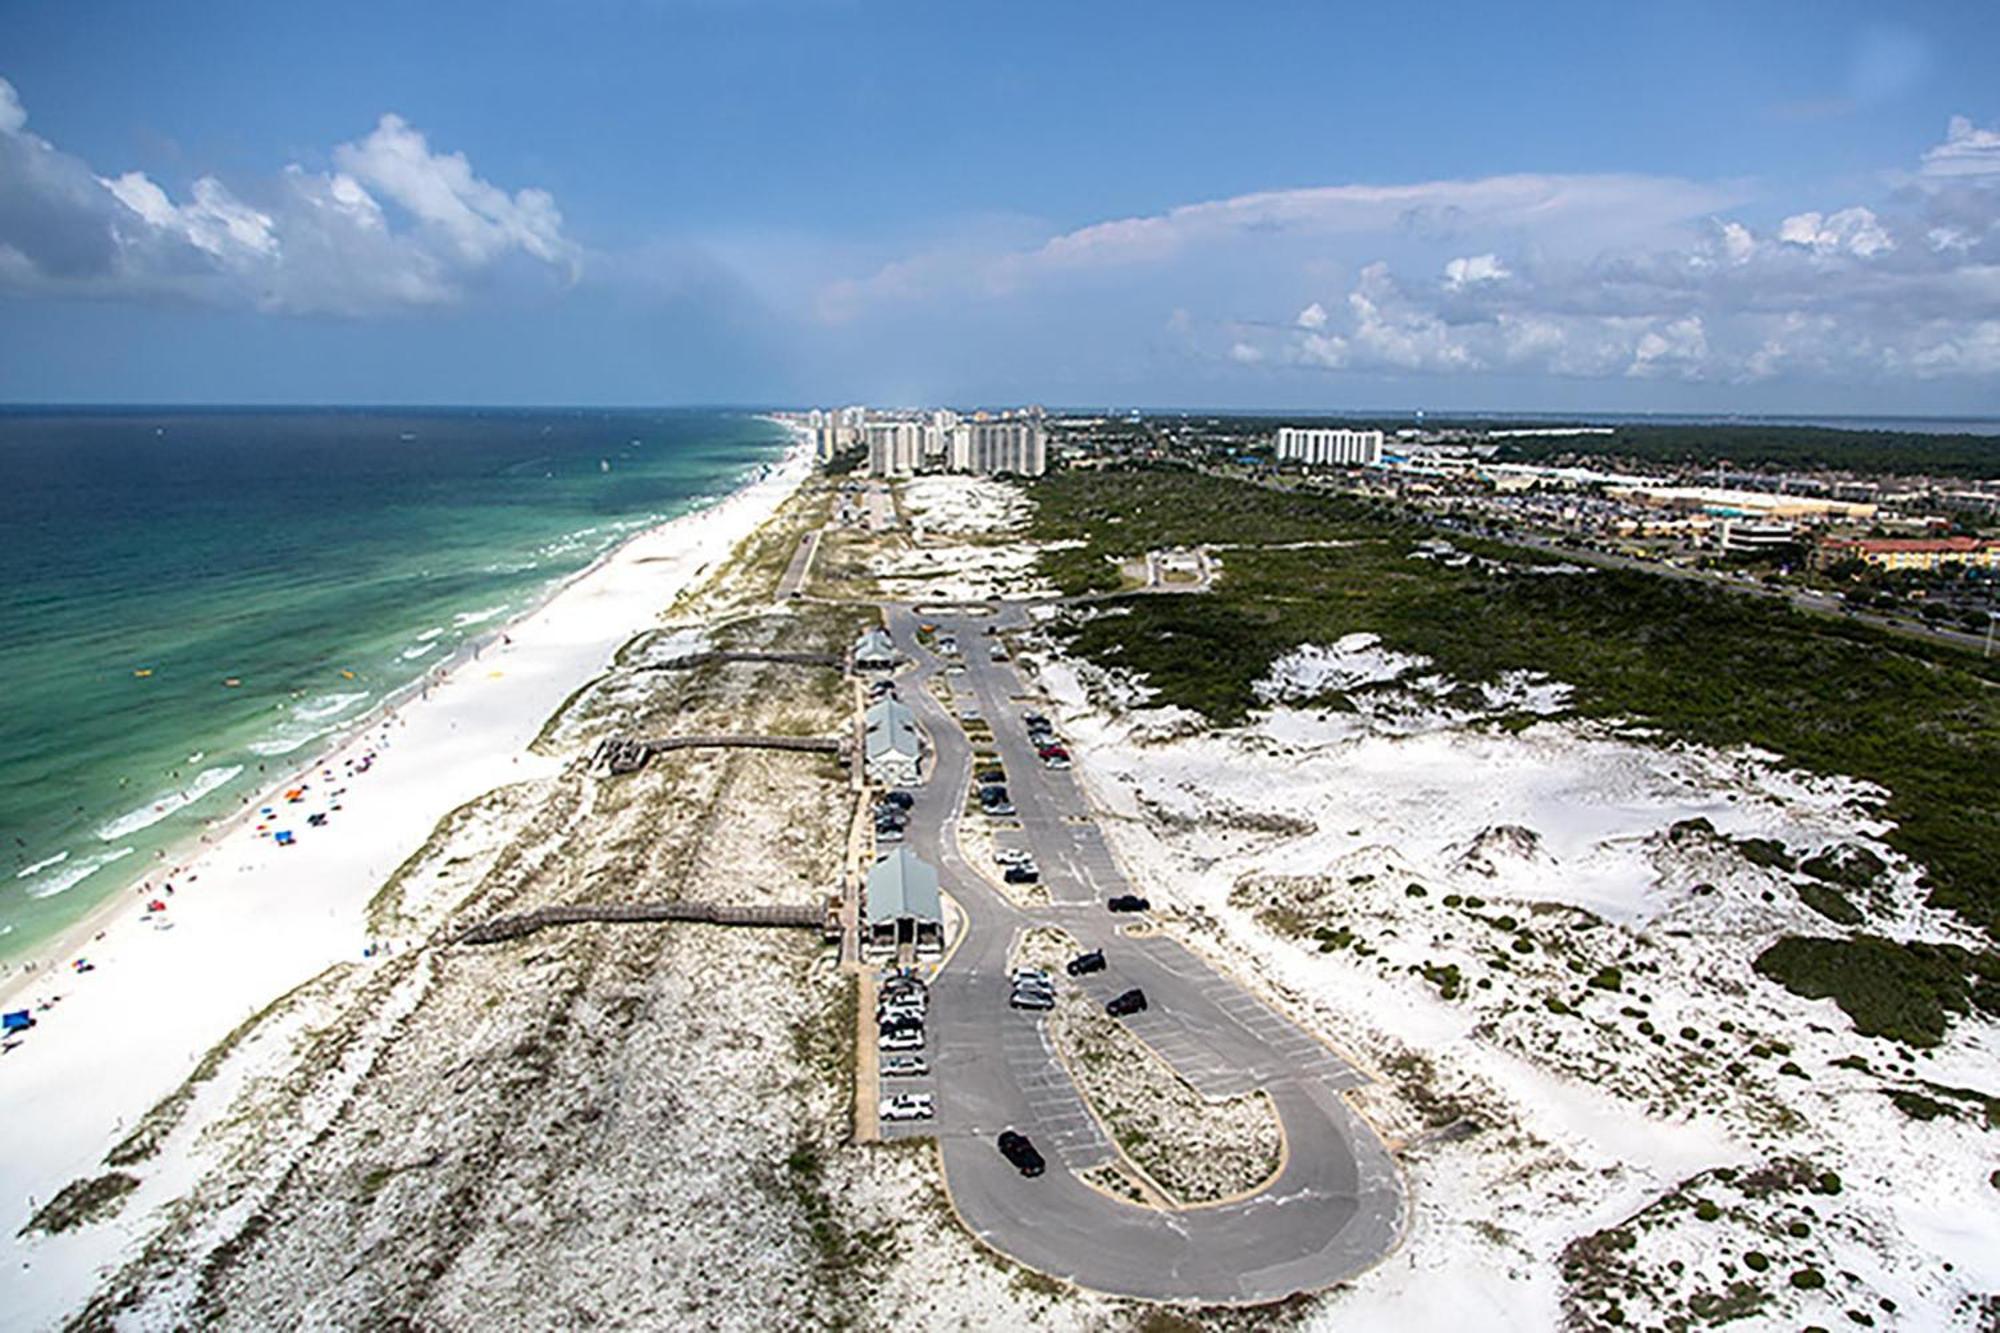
[(259, 919)]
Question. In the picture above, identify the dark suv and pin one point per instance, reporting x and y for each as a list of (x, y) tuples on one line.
[(1131, 1002), (1128, 902), (1086, 962), (1016, 1149)]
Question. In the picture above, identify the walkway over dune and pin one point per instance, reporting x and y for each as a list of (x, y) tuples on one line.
[(694, 660), (808, 915), (628, 754)]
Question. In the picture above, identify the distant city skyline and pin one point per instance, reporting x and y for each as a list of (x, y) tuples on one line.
[(1695, 209)]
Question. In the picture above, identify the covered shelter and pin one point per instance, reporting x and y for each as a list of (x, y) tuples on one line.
[(902, 906), (893, 749), (876, 651)]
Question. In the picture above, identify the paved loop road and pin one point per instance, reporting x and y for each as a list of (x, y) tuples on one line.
[(1337, 1205)]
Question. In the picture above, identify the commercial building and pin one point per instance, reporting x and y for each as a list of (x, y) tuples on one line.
[(892, 748), (1738, 536), (901, 906), (1739, 503), (1329, 447), (1911, 552)]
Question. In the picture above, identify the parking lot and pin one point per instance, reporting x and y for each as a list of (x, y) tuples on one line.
[(990, 1066)]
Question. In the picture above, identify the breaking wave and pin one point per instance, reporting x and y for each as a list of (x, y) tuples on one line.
[(150, 814), (76, 874), (38, 867)]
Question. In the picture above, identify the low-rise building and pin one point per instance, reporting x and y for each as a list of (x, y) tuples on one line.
[(893, 747), (1747, 537), (876, 651), (1911, 552), (901, 906)]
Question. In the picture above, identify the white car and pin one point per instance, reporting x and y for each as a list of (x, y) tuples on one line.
[(905, 1066), (891, 1013), (1031, 975), (910, 1039), (908, 1106), (1012, 856)]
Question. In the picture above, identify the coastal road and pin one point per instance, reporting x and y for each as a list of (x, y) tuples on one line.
[(1336, 1206)]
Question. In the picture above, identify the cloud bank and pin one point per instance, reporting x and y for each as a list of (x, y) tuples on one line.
[(1589, 277), (395, 225)]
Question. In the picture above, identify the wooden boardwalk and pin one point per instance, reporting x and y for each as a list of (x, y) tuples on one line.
[(693, 660), (628, 754), (806, 915)]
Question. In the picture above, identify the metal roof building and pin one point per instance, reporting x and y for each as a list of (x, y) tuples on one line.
[(893, 749), (902, 904), (876, 651)]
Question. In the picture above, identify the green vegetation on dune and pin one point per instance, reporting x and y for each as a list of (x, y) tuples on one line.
[(1900, 991), (1696, 663)]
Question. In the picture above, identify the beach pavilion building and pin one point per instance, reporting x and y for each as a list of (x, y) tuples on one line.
[(902, 907), (892, 747), (876, 651)]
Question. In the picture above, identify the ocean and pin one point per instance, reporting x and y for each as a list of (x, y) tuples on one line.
[(193, 602)]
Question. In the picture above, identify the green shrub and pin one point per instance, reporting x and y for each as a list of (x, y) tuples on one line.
[(1902, 991), (1830, 903)]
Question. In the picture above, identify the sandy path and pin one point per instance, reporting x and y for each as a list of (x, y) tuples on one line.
[(258, 919)]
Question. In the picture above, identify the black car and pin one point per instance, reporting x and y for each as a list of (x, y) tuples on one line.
[(1128, 902), (990, 775), (1034, 719), (1016, 1149), (902, 800), (1023, 875), (1085, 963), (992, 793), (1131, 1002)]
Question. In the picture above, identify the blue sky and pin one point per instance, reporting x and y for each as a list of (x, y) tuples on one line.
[(1670, 207)]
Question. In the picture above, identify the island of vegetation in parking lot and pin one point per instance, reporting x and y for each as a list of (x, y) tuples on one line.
[(1693, 662)]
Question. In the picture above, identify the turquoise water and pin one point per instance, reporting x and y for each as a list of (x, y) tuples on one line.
[(321, 560)]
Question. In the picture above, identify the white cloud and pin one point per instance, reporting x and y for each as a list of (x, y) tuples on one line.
[(1583, 213), (1967, 150), (1737, 242), (1853, 230), (1312, 317), (13, 116), (1676, 348), (1244, 354), (479, 220), (1473, 270), (303, 241)]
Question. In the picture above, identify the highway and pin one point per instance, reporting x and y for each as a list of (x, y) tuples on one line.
[(1337, 1205)]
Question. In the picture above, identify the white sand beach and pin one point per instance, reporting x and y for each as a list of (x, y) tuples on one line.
[(249, 919)]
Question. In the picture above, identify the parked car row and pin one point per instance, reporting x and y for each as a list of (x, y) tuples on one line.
[(1048, 746), (899, 1013), (892, 815)]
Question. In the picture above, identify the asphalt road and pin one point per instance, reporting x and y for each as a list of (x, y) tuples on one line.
[(1815, 603), (1337, 1205)]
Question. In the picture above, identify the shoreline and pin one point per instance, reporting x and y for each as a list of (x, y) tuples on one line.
[(181, 856), (253, 919)]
